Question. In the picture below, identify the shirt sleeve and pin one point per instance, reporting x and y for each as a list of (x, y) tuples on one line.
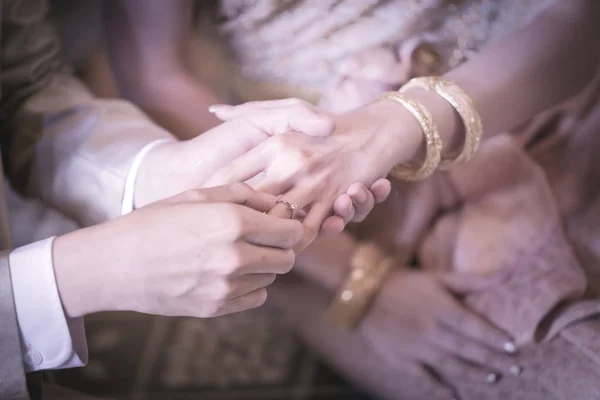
[(127, 205), (49, 339)]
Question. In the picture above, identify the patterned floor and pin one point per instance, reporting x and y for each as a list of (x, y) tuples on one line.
[(245, 356)]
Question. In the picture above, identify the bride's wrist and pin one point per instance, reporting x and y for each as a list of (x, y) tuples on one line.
[(446, 118), (401, 139)]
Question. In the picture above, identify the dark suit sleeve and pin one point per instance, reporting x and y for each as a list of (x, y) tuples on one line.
[(29, 57)]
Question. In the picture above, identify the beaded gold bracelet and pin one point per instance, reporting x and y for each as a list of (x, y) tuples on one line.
[(465, 108), (433, 141), (369, 267)]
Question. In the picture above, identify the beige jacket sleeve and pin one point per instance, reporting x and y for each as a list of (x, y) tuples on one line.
[(64, 145)]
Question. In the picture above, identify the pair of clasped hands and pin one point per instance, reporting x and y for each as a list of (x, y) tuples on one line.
[(203, 243)]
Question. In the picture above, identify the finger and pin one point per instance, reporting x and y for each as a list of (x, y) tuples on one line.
[(243, 168), (248, 301), (332, 225), (276, 185), (281, 211), (362, 199), (267, 230), (381, 189), (343, 207), (238, 193), (296, 116), (242, 285), (246, 258), (312, 224), (473, 326), (451, 368), (476, 353)]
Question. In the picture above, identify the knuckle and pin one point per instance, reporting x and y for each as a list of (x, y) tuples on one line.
[(298, 158), (240, 188), (224, 175), (233, 220), (278, 143), (195, 195), (232, 261), (221, 290)]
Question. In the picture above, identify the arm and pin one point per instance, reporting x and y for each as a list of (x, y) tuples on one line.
[(528, 71), (149, 44)]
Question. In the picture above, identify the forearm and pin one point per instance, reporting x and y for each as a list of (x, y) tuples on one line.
[(179, 103), (529, 71), (148, 46), (548, 61)]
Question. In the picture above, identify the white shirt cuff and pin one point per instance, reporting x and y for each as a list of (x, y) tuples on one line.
[(127, 205), (50, 340)]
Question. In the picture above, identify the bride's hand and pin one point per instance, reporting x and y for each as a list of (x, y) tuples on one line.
[(314, 171), (417, 315)]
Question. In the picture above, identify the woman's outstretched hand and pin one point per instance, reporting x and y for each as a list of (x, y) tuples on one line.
[(314, 171)]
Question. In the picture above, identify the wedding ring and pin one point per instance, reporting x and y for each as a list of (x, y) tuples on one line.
[(291, 206)]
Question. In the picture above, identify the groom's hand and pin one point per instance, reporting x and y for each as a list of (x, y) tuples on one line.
[(202, 253), (174, 167)]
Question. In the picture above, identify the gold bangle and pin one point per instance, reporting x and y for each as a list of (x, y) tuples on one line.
[(464, 106), (369, 267), (432, 140)]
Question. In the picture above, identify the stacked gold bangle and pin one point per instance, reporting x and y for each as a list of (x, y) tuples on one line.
[(369, 267), (465, 108), (432, 140), (463, 105)]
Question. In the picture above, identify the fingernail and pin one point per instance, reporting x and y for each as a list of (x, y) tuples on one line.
[(361, 196), (492, 378), (510, 347), (215, 108), (349, 208), (516, 370)]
